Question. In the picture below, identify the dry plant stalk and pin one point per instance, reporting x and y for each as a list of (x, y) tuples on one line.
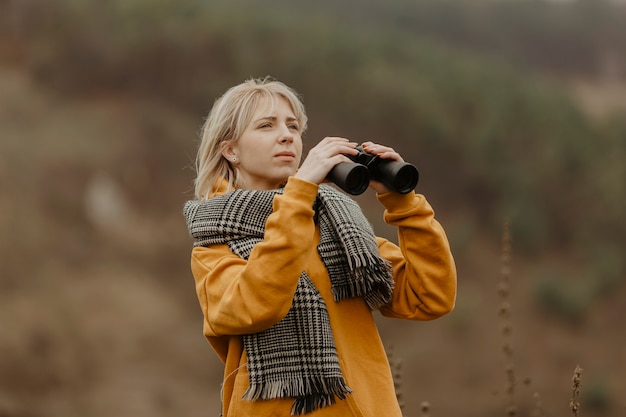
[(538, 411), (505, 318), (396, 369), (576, 384)]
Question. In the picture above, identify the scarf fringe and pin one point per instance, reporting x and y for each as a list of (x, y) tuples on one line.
[(370, 281), (310, 393), (304, 405)]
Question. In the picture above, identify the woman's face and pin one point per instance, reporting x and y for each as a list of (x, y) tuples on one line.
[(270, 148)]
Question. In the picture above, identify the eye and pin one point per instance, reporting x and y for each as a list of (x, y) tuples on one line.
[(294, 126)]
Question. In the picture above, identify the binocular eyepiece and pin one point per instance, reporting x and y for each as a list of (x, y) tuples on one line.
[(354, 177)]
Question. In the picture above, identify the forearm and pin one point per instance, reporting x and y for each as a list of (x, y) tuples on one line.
[(423, 266)]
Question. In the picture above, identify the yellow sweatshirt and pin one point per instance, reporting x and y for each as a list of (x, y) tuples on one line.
[(240, 297)]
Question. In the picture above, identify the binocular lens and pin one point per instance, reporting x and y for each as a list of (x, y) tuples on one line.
[(405, 179), (358, 180), (351, 177)]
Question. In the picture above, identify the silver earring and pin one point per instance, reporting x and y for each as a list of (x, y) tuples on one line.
[(235, 159)]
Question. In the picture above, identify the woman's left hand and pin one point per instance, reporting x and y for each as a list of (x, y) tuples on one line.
[(383, 152)]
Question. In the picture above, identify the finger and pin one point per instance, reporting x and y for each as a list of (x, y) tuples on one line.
[(375, 148), (395, 156), (333, 140), (384, 152), (335, 145)]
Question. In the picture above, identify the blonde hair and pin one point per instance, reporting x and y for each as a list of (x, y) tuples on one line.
[(226, 122)]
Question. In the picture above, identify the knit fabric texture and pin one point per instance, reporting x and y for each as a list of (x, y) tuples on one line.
[(297, 357)]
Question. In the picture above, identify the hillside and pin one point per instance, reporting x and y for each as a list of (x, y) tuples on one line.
[(98, 130)]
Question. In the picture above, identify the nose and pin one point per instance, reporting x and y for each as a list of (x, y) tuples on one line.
[(286, 135)]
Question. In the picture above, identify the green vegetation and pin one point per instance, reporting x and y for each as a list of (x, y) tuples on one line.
[(496, 140), (476, 94)]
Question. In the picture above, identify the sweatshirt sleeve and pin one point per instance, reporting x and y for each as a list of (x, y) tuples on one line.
[(241, 297), (423, 266)]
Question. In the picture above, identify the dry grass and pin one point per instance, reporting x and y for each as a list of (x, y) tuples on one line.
[(576, 384), (506, 324)]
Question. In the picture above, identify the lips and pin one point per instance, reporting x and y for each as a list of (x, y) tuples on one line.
[(286, 154)]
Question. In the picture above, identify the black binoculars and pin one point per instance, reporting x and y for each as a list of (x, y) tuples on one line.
[(354, 177)]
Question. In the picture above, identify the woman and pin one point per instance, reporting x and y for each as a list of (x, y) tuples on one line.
[(288, 270)]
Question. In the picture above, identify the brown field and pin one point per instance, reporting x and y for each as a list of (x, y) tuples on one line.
[(98, 315)]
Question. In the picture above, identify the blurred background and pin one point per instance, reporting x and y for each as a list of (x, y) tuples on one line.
[(511, 109)]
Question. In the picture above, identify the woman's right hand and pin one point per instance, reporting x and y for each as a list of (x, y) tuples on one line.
[(323, 157)]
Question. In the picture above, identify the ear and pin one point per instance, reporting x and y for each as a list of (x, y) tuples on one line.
[(228, 152)]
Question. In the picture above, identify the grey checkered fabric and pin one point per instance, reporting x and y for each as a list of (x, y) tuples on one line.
[(297, 356)]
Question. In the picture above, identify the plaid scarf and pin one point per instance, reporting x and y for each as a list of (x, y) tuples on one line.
[(297, 357)]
